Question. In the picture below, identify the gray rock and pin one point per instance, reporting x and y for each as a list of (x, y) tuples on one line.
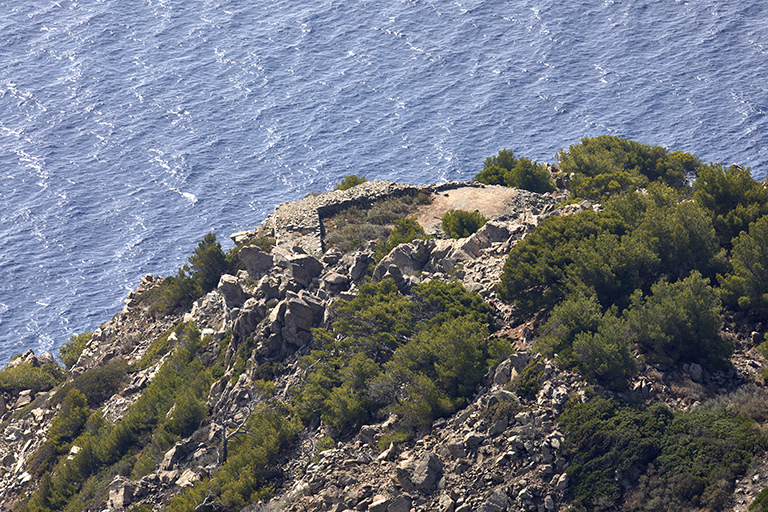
[(695, 372), (408, 257), (453, 450), (496, 502), (473, 440), (499, 426), (304, 268), (422, 475), (503, 373), (230, 289), (562, 483), (332, 257), (400, 504), (120, 493), (446, 504), (360, 264), (335, 283), (256, 261), (248, 319), (379, 504)]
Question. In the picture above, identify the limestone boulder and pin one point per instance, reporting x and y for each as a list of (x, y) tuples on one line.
[(304, 268), (256, 261), (420, 474), (229, 287)]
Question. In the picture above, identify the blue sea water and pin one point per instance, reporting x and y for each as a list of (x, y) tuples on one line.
[(129, 129)]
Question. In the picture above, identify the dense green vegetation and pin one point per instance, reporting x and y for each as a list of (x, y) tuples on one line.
[(673, 460), (733, 199), (647, 274), (643, 279), (506, 169), (25, 375), (746, 288), (147, 428), (639, 274), (608, 165), (461, 224), (419, 357)]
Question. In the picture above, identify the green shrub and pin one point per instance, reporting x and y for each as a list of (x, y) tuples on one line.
[(583, 338), (605, 356), (418, 358), (206, 266), (352, 228), (70, 352), (733, 199), (461, 224), (530, 175), (608, 165), (536, 273), (65, 427), (680, 322), (528, 381), (325, 443), (506, 169), (505, 160), (265, 243), (679, 461), (492, 175), (760, 503), (350, 181), (746, 288), (97, 384), (406, 230), (638, 239), (19, 377)]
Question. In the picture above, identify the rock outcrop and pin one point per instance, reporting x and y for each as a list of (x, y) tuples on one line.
[(501, 452)]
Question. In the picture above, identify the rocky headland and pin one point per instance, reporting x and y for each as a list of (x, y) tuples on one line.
[(473, 460)]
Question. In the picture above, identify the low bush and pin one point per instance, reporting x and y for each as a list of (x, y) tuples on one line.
[(506, 169), (16, 377), (406, 230), (746, 288), (70, 352), (97, 384), (732, 198), (352, 228), (461, 224), (608, 165), (680, 323), (350, 181), (193, 280)]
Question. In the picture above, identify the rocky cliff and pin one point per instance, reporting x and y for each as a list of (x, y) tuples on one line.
[(476, 459)]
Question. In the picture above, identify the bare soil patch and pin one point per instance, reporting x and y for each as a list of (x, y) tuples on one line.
[(491, 201)]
